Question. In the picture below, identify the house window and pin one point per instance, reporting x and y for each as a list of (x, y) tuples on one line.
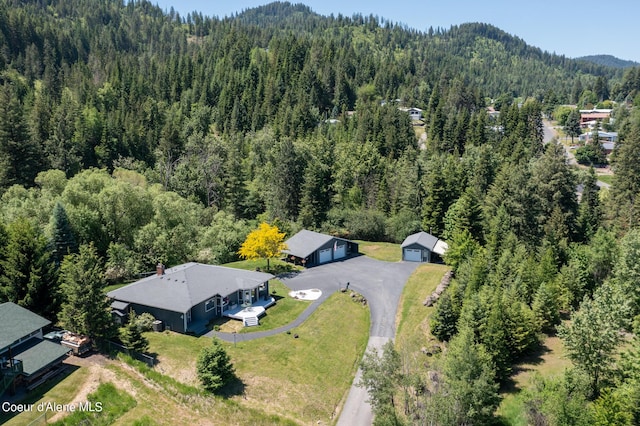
[(209, 305)]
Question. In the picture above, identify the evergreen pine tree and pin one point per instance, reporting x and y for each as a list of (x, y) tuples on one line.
[(19, 159), (626, 185), (214, 367), (28, 277), (470, 380), (589, 210), (572, 125), (131, 336), (444, 320), (63, 241), (85, 309), (545, 308)]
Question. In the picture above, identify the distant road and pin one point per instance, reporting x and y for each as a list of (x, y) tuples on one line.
[(549, 133)]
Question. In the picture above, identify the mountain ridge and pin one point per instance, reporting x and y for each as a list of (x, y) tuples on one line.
[(608, 60)]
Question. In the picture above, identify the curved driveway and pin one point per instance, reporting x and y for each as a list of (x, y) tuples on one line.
[(381, 283)]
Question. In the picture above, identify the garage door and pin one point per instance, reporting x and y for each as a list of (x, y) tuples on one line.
[(325, 255), (341, 251), (413, 255)]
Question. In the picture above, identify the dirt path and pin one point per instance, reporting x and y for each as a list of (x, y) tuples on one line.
[(98, 374)]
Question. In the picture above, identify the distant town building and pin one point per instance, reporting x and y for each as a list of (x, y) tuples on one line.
[(414, 113), (588, 117)]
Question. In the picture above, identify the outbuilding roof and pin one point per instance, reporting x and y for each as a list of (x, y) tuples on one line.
[(427, 241), (184, 286), (41, 354), (17, 322), (306, 242)]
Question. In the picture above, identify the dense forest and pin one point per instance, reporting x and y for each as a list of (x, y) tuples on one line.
[(130, 136)]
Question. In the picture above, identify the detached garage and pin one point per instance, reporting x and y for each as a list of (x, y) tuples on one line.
[(423, 247), (310, 248)]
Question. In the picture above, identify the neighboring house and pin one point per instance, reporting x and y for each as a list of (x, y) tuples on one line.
[(593, 115), (608, 147), (312, 248), (602, 136), (25, 357), (608, 140), (423, 247), (414, 113), (187, 297), (492, 113)]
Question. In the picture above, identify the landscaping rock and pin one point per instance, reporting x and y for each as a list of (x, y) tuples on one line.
[(444, 283)]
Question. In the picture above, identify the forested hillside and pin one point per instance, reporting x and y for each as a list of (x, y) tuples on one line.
[(144, 137), (608, 61)]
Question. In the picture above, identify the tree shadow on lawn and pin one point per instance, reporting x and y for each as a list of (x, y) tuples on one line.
[(525, 364), (235, 387), (276, 297), (289, 274)]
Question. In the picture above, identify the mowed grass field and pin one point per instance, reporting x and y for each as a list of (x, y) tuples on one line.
[(388, 252), (412, 322), (549, 361), (608, 179)]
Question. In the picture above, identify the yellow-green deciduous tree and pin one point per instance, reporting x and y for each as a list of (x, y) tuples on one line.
[(265, 242)]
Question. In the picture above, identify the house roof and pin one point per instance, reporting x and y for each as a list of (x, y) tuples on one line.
[(596, 110), (120, 306), (594, 115), (17, 322), (427, 241), (440, 247), (306, 242), (609, 146), (40, 354), (184, 286)]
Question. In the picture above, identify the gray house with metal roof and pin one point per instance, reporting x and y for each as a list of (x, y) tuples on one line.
[(311, 248), (186, 297), (423, 247), (24, 354)]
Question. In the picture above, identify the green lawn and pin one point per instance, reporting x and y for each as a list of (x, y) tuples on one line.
[(388, 252), (549, 361), (109, 402), (304, 378), (112, 287), (301, 377), (276, 266), (282, 313), (606, 179), (413, 317)]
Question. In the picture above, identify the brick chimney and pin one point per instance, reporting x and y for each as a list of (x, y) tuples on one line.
[(160, 269)]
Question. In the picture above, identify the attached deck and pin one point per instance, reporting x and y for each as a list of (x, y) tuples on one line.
[(256, 310)]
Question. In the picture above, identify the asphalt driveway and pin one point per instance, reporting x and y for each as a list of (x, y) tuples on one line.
[(381, 283)]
